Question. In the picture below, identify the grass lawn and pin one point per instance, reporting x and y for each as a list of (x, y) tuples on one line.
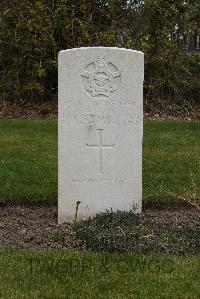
[(26, 274), (28, 159), (171, 160)]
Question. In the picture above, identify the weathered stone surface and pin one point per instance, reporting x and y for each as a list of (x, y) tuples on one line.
[(100, 131)]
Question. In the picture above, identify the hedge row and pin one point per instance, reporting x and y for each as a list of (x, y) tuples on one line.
[(33, 32)]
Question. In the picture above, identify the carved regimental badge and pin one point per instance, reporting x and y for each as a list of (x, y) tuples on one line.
[(101, 78)]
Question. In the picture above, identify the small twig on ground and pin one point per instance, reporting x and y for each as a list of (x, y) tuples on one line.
[(192, 202), (77, 205)]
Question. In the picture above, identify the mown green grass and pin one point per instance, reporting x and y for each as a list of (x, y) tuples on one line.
[(26, 274), (171, 160), (28, 160)]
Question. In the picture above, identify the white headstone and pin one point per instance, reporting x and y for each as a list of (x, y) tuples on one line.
[(100, 131)]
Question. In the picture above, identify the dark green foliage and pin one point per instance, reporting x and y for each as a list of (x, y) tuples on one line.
[(33, 32)]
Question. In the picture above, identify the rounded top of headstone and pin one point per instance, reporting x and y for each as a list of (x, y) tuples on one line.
[(103, 48), (102, 69)]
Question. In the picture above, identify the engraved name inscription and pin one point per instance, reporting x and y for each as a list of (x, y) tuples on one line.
[(100, 119)]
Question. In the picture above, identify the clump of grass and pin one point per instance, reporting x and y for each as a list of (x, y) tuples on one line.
[(55, 236), (124, 232)]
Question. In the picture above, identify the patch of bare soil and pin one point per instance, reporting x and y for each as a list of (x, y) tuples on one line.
[(174, 230), (27, 111), (34, 227), (171, 110)]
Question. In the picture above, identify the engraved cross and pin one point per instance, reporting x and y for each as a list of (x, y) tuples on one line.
[(100, 146)]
